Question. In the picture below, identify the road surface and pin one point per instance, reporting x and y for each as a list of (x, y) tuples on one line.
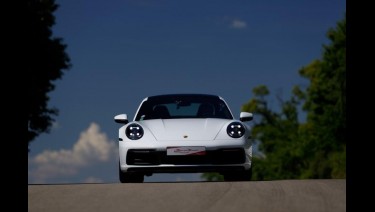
[(284, 195)]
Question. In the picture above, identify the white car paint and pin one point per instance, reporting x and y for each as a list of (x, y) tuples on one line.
[(161, 134)]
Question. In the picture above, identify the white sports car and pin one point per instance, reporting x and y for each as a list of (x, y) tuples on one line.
[(184, 133)]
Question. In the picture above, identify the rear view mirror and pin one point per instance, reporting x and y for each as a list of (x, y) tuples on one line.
[(122, 119), (245, 116)]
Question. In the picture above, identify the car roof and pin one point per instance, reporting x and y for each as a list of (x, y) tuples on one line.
[(184, 95)]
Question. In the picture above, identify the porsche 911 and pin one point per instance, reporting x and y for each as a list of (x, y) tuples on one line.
[(184, 133)]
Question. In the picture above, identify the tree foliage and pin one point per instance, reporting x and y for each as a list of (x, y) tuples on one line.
[(279, 134), (316, 147), (45, 59), (326, 108)]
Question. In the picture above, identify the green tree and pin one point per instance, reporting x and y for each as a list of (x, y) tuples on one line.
[(46, 59), (278, 134), (326, 108), (315, 148)]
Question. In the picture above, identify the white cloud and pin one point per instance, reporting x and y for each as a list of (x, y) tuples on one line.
[(238, 24), (234, 22), (91, 147)]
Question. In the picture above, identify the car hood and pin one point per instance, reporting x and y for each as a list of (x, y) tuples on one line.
[(186, 129)]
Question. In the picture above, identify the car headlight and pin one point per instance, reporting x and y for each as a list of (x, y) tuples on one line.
[(235, 130), (134, 131)]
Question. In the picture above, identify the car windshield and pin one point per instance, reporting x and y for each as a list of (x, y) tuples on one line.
[(183, 106)]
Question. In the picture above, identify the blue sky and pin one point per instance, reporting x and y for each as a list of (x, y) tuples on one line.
[(125, 50)]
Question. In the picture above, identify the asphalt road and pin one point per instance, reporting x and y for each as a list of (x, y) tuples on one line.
[(284, 195)]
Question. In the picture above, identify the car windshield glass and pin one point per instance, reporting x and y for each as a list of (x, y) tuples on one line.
[(185, 106)]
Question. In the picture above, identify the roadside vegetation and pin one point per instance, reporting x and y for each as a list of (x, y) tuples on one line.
[(313, 147)]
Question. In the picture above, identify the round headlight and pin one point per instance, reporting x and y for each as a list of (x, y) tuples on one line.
[(134, 131), (235, 130)]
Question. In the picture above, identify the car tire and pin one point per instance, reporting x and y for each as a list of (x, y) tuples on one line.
[(130, 177), (238, 175)]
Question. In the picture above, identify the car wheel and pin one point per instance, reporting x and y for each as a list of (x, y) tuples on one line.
[(130, 177), (238, 175)]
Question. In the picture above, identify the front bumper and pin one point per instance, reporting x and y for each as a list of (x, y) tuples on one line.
[(212, 157), (157, 161)]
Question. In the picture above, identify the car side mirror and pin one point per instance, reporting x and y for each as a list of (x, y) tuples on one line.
[(122, 119), (245, 116)]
